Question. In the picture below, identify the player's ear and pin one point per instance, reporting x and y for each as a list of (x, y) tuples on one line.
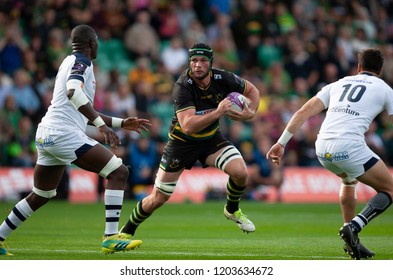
[(92, 43)]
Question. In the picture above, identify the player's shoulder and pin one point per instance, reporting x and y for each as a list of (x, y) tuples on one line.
[(220, 74), (81, 58), (224, 76), (184, 79)]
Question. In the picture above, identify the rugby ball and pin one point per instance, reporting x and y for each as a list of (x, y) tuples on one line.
[(238, 101)]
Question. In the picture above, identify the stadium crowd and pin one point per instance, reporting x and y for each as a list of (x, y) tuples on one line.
[(288, 49)]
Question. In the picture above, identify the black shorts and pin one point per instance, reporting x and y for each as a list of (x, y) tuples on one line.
[(178, 155)]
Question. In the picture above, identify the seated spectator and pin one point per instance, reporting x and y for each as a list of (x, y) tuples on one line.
[(25, 96), (262, 172), (123, 101), (141, 39), (5, 86), (21, 149), (12, 46), (143, 157), (142, 72), (175, 57)]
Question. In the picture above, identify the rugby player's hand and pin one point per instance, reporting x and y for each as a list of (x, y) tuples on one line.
[(110, 136), (244, 115), (224, 106), (275, 153), (138, 125)]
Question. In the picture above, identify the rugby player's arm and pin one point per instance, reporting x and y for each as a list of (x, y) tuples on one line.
[(192, 123), (311, 108), (88, 111), (252, 93)]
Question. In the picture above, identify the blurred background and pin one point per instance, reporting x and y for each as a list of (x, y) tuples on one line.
[(288, 49)]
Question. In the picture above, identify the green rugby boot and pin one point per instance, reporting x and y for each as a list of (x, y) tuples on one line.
[(120, 242), (240, 219)]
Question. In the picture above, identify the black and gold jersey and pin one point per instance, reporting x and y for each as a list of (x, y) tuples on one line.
[(187, 94)]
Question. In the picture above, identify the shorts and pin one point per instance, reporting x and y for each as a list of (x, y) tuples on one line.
[(58, 147), (178, 155), (352, 157)]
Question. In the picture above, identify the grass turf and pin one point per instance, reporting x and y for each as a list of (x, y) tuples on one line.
[(63, 231)]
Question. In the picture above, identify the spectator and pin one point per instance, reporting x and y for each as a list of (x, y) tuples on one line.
[(114, 18), (226, 56), (21, 149), (262, 172), (300, 63), (141, 39), (25, 96), (248, 22), (169, 22), (143, 158), (175, 57), (12, 46), (186, 15), (277, 79), (195, 33), (5, 86), (142, 72), (123, 101), (56, 50), (10, 116)]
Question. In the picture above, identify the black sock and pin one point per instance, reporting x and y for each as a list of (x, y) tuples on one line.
[(137, 216)]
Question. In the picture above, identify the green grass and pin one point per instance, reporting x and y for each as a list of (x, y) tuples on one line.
[(62, 231)]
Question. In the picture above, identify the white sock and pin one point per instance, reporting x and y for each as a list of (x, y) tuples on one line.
[(113, 204)]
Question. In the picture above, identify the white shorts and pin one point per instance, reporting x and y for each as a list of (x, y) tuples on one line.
[(57, 147), (352, 157)]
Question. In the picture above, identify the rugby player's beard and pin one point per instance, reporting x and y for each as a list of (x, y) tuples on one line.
[(200, 78)]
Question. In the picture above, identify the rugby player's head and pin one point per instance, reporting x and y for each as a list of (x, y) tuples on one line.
[(84, 39), (371, 59), (202, 50)]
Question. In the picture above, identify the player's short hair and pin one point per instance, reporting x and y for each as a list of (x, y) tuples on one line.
[(82, 34), (201, 49), (371, 59)]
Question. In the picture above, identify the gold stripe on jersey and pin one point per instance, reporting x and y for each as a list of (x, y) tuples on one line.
[(183, 109), (178, 133), (173, 137)]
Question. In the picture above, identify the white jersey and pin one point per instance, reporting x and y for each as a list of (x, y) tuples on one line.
[(352, 103), (61, 113)]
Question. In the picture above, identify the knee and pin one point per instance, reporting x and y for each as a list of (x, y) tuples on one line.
[(119, 174), (239, 175)]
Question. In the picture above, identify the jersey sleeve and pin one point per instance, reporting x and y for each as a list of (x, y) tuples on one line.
[(324, 95), (80, 68), (182, 98), (234, 82), (389, 102)]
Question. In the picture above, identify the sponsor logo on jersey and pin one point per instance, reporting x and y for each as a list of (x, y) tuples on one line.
[(337, 156), (217, 77), (204, 112), (344, 109), (189, 81), (46, 142)]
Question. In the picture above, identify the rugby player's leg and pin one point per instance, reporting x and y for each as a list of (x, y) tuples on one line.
[(229, 160), (46, 180), (102, 161), (164, 186), (348, 199), (377, 176), (380, 179)]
